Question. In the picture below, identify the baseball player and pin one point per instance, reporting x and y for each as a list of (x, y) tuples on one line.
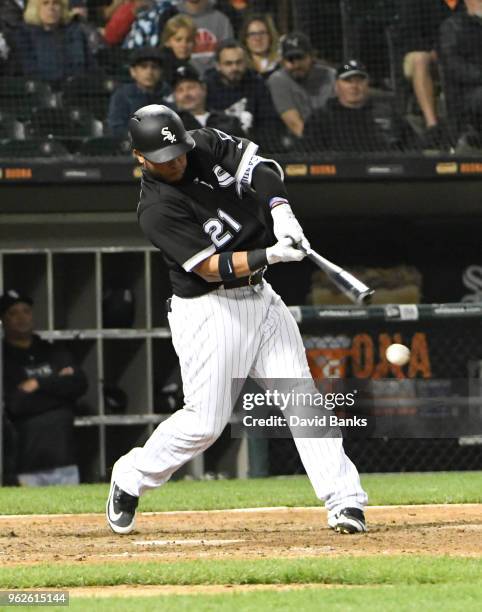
[(219, 213)]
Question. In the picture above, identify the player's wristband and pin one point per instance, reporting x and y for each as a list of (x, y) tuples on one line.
[(226, 266), (257, 259), (277, 201)]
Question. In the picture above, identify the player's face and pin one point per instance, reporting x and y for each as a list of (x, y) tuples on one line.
[(352, 92), (181, 43), (232, 64), (50, 12), (146, 74), (18, 320), (298, 67), (190, 96), (257, 38), (169, 172)]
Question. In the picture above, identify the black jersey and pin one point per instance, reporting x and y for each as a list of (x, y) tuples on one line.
[(211, 210)]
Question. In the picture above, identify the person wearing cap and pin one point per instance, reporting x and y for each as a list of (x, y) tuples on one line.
[(41, 384), (190, 94), (355, 122), (147, 88), (302, 85), (219, 213)]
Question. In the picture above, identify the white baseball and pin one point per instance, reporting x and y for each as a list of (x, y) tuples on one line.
[(398, 354)]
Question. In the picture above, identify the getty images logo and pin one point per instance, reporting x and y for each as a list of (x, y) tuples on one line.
[(168, 135)]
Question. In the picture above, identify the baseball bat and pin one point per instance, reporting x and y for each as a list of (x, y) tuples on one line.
[(354, 289)]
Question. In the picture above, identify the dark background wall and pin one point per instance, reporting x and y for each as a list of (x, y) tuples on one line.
[(435, 225)]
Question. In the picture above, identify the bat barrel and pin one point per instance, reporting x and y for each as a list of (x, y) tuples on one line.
[(353, 287)]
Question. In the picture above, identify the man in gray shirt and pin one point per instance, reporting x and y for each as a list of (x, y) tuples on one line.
[(302, 85)]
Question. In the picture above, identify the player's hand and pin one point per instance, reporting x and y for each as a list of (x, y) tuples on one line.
[(284, 251), (285, 225)]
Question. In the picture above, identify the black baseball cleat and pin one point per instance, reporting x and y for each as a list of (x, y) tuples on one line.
[(121, 510), (348, 520)]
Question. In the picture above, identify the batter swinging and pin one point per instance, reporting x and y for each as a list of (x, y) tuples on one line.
[(219, 213)]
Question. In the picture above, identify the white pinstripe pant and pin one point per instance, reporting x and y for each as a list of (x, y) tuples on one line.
[(220, 336)]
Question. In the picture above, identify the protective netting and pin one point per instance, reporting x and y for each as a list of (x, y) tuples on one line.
[(72, 73), (443, 353)]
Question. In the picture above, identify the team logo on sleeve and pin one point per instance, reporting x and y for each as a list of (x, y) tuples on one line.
[(168, 135), (224, 178)]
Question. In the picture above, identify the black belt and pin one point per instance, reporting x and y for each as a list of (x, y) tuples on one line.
[(256, 278)]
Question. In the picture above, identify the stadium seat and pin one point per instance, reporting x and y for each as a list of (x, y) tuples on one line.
[(32, 148), (64, 123), (20, 96), (114, 61), (107, 145), (90, 92), (10, 127), (52, 122)]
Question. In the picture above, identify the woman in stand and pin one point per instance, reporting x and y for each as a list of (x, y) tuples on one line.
[(177, 43), (261, 40), (49, 46)]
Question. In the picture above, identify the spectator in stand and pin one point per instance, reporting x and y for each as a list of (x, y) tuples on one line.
[(353, 122), (119, 19), (178, 38), (80, 14), (109, 9), (50, 47), (461, 54), (419, 27), (11, 12), (302, 85), (190, 95), (41, 384), (240, 91), (5, 51), (261, 41), (148, 24), (212, 28), (238, 10), (147, 88)]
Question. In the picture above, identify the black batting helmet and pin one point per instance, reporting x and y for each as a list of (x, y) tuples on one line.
[(158, 133)]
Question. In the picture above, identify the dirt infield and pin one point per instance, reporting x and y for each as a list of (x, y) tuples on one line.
[(278, 532)]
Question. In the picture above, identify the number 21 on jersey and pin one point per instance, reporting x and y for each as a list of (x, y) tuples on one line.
[(215, 227)]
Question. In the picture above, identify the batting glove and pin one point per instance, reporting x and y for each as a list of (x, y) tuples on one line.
[(283, 251), (285, 225)]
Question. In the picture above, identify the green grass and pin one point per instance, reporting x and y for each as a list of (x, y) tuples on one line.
[(383, 489), (436, 598), (395, 570)]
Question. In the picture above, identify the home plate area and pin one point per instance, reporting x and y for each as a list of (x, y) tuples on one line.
[(230, 534)]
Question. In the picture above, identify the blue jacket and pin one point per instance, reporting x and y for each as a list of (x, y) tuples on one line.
[(52, 55), (128, 98)]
